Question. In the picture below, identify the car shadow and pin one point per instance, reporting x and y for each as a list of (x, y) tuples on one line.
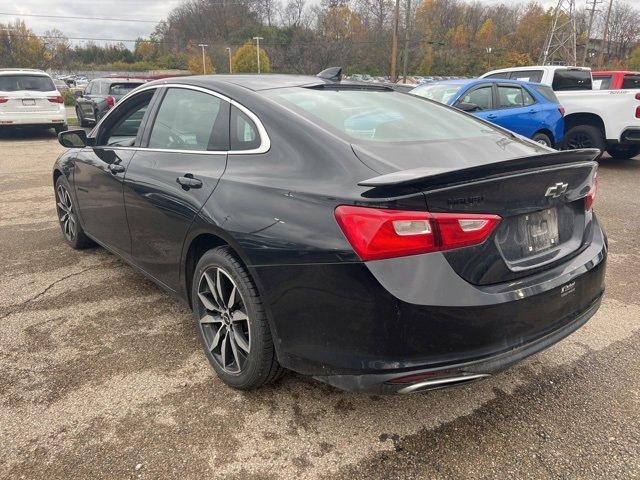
[(608, 163), (27, 133)]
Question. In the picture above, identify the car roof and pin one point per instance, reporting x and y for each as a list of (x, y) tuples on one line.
[(249, 81), (471, 81), (611, 72), (120, 80), (30, 71)]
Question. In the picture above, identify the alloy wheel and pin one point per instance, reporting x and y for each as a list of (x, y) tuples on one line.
[(580, 140), (66, 213), (224, 321)]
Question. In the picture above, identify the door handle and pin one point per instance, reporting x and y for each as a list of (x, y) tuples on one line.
[(116, 168), (492, 115), (188, 181), (533, 110)]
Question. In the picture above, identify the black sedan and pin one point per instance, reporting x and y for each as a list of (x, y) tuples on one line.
[(372, 239)]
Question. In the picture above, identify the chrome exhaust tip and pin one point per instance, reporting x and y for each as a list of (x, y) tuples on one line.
[(442, 383)]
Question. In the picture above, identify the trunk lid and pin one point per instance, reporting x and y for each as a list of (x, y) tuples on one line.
[(28, 101), (540, 198)]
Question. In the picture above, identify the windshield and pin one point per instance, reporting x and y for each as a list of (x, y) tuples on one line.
[(122, 88), (440, 92), (36, 83), (379, 115)]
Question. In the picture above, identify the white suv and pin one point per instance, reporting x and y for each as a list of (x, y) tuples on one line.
[(29, 98)]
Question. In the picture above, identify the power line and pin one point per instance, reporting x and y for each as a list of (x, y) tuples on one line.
[(135, 20)]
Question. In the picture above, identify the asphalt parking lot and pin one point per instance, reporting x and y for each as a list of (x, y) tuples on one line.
[(101, 375)]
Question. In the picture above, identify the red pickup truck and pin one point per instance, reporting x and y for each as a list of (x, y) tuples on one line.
[(615, 80)]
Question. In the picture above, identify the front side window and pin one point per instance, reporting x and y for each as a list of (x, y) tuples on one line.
[(33, 83), (122, 126), (509, 96), (480, 97), (378, 115), (187, 120)]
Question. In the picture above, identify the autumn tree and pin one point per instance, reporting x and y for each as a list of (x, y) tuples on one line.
[(245, 59)]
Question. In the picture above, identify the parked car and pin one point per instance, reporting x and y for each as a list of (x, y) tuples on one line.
[(604, 119), (529, 109), (616, 80), (30, 98), (428, 249), (61, 86), (100, 95)]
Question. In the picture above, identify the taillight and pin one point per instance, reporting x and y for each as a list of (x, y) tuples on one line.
[(591, 196), (110, 101), (376, 233), (4, 99), (637, 96), (561, 110), (637, 112), (57, 99)]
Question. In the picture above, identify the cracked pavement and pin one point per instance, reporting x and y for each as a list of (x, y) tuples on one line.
[(101, 375)]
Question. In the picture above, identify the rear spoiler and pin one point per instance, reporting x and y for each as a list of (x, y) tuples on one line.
[(453, 174)]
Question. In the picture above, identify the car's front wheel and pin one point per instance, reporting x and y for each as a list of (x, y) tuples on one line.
[(68, 216), (623, 152), (231, 321)]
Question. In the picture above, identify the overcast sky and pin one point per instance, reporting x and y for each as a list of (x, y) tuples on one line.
[(121, 9)]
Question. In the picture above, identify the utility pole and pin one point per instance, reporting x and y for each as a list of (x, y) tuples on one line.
[(604, 36), (229, 51), (257, 39), (592, 12), (407, 24), (204, 65), (394, 43)]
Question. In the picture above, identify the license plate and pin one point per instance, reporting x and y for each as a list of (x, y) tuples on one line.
[(541, 230), (28, 102)]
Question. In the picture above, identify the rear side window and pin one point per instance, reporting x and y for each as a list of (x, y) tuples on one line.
[(509, 97), (186, 120), (534, 76), (602, 82), (33, 83), (244, 133), (631, 81), (572, 79), (546, 92), (122, 88)]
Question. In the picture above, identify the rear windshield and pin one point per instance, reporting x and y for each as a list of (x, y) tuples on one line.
[(36, 83), (122, 88), (546, 92), (570, 79), (440, 92), (631, 81), (380, 116)]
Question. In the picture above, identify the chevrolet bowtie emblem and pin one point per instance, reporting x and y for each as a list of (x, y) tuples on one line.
[(554, 191)]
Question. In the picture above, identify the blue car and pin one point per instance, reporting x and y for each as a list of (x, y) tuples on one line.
[(529, 109)]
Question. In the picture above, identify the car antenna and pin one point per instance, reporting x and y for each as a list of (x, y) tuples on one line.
[(332, 73)]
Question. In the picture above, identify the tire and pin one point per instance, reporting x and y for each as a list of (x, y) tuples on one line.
[(68, 217), (542, 138), (623, 152), (584, 136), (237, 341), (81, 120), (61, 128)]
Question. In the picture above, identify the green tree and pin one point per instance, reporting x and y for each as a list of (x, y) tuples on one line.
[(245, 60), (634, 59)]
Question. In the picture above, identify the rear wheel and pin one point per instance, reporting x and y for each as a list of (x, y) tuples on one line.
[(60, 128), (68, 216), (543, 139), (81, 120), (623, 152), (231, 321), (584, 136)]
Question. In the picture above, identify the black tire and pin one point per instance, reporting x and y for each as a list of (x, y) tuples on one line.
[(259, 365), (623, 152), (584, 136), (81, 120), (542, 138), (68, 217), (60, 128)]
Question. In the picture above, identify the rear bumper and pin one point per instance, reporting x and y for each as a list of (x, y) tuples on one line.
[(34, 118), (630, 136), (357, 325)]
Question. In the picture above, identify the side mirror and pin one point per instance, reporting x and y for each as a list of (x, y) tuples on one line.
[(73, 138), (468, 107)]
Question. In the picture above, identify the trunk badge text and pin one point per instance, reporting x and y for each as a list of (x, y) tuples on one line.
[(554, 191)]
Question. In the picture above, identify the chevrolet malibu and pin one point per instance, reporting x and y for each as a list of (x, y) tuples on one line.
[(374, 240)]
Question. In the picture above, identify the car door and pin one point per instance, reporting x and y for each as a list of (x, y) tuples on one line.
[(86, 102), (516, 114), (168, 182), (99, 172)]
